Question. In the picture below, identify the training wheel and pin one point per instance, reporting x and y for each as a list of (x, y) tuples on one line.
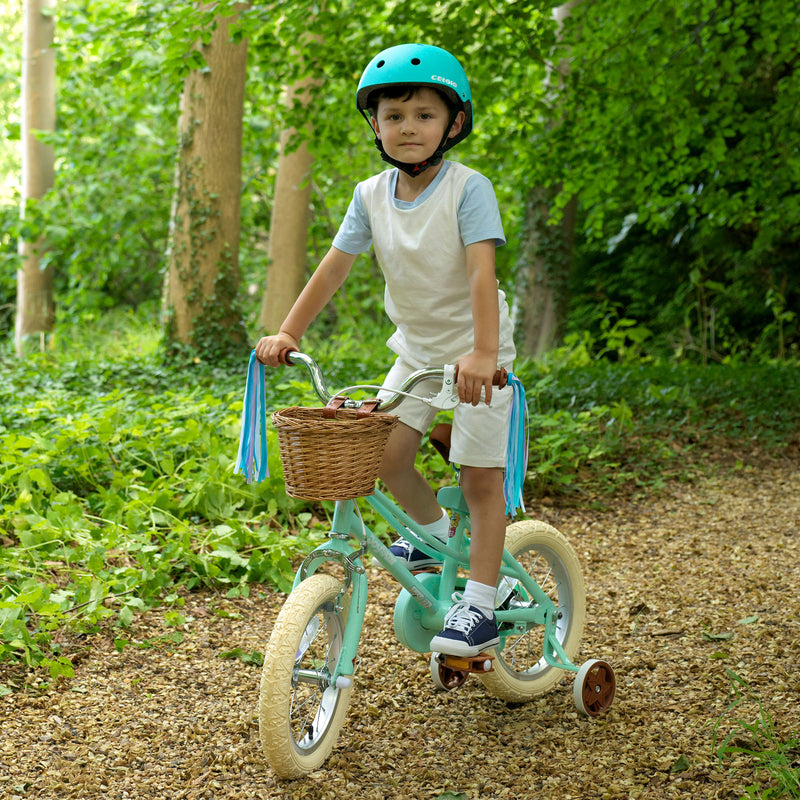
[(594, 688), (444, 677)]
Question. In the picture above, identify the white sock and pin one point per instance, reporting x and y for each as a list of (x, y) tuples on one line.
[(440, 528), (481, 596)]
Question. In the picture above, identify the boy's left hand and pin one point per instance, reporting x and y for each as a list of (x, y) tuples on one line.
[(475, 372)]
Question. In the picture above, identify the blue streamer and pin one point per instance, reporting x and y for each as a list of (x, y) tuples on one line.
[(251, 460), (517, 454)]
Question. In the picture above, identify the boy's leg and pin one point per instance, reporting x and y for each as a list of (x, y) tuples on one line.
[(414, 494), (405, 483), (470, 625), (483, 491)]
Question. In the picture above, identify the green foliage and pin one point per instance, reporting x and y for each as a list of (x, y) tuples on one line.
[(680, 132), (116, 488), (117, 491), (10, 76), (759, 742), (602, 426), (676, 126)]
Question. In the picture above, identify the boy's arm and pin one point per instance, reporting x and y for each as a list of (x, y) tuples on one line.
[(321, 287), (476, 370)]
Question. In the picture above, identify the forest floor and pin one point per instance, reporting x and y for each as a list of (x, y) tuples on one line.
[(682, 587)]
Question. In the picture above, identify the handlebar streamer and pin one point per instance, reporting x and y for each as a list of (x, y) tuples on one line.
[(251, 460), (517, 454)]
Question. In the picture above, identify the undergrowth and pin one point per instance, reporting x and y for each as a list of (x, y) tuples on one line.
[(754, 740), (117, 489)]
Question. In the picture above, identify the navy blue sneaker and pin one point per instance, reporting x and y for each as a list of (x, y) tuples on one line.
[(413, 557), (467, 631)]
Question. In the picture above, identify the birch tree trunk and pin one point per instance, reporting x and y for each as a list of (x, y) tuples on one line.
[(545, 261), (35, 312), (201, 295), (288, 233)]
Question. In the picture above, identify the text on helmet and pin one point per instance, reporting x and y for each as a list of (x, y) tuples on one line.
[(444, 80)]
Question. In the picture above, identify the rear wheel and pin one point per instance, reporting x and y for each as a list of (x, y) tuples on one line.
[(300, 710), (520, 669)]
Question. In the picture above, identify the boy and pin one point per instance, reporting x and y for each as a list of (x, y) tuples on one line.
[(434, 225)]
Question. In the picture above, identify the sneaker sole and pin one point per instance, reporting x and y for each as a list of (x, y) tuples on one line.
[(417, 566), (449, 647)]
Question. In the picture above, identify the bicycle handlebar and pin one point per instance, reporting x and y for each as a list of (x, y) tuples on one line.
[(291, 357)]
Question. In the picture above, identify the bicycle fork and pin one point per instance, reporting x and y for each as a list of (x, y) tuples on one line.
[(339, 550)]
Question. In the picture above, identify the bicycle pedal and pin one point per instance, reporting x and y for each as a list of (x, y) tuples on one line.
[(479, 663)]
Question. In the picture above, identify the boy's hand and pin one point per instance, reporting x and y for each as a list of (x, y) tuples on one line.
[(269, 348), (475, 372)]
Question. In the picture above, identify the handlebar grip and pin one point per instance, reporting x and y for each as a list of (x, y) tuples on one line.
[(283, 356), (500, 378)]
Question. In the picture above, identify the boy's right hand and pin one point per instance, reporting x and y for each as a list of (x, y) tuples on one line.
[(269, 348)]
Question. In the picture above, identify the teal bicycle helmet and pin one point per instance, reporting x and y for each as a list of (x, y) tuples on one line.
[(418, 65)]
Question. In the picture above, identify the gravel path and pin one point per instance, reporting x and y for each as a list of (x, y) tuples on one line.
[(680, 589)]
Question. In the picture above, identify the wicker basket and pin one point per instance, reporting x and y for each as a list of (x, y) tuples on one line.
[(331, 459)]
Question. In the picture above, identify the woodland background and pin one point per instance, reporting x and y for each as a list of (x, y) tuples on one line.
[(658, 140)]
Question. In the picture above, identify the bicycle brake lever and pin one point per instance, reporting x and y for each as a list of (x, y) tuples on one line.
[(448, 394)]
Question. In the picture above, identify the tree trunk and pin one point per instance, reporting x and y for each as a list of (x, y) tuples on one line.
[(288, 232), (545, 261), (203, 278), (35, 313)]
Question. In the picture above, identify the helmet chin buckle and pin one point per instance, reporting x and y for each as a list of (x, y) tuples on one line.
[(411, 169)]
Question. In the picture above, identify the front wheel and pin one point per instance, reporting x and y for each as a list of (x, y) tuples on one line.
[(300, 711), (520, 669)]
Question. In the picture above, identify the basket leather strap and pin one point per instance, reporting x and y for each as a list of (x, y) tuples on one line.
[(367, 407), (335, 403)]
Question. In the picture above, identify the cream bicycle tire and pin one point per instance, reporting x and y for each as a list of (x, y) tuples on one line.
[(520, 671), (299, 722)]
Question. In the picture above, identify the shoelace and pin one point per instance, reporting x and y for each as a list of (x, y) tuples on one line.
[(461, 619), (404, 545)]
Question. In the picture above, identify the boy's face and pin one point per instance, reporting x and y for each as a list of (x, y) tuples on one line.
[(410, 130)]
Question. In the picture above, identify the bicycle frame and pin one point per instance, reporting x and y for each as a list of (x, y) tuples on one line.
[(347, 524)]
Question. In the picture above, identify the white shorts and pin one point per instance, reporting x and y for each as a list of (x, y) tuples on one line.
[(480, 433)]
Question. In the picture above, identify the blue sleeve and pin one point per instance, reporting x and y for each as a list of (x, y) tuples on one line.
[(478, 213), (354, 235)]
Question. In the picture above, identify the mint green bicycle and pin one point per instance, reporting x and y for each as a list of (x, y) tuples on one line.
[(310, 661)]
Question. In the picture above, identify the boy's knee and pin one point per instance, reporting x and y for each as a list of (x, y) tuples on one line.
[(398, 457), (481, 483)]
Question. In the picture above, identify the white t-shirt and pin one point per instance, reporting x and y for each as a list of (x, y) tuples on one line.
[(420, 247)]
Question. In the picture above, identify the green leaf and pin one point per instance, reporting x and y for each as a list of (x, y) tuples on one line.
[(126, 616), (680, 765), (253, 657), (58, 667), (717, 637)]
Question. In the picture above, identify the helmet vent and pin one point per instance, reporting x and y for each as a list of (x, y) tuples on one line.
[(380, 64), (415, 61)]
